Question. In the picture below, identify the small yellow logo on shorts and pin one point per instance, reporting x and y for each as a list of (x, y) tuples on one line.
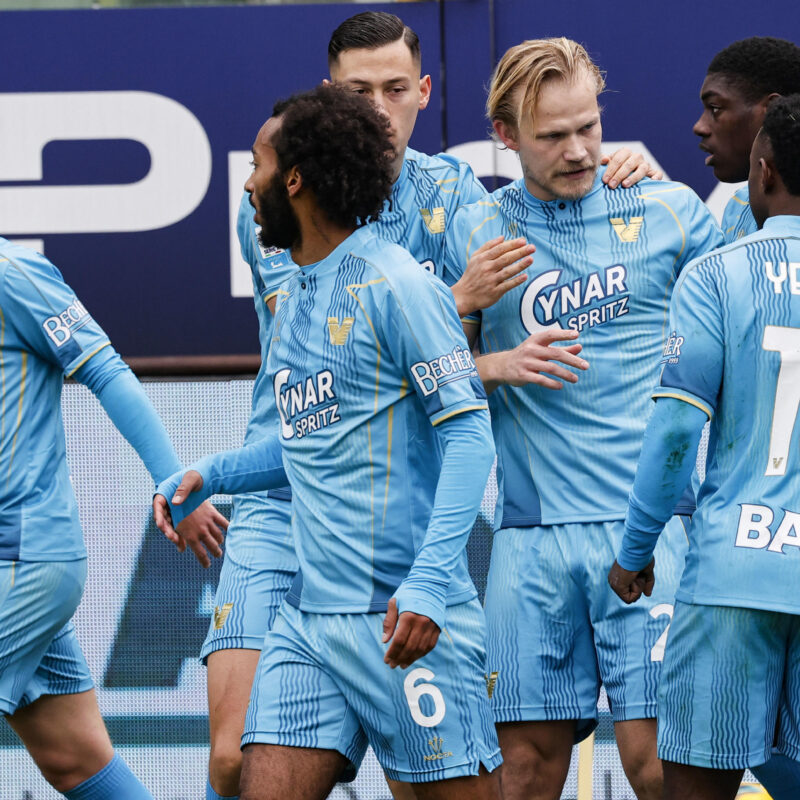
[(221, 614), (491, 680), (438, 754)]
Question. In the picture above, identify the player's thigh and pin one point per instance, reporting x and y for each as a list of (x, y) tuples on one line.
[(64, 734), (37, 599), (431, 721), (275, 772), (720, 686), (788, 738), (484, 786), (630, 640), (295, 702), (230, 680), (541, 661)]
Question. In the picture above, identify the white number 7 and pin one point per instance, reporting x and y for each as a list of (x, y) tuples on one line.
[(785, 341)]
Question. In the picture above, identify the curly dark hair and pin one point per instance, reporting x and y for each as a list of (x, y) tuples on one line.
[(370, 30), (759, 66), (340, 144), (782, 128)]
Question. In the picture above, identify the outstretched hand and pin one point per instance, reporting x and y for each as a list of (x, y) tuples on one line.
[(630, 586), (528, 362), (412, 636)]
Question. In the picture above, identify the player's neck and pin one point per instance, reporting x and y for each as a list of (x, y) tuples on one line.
[(786, 204), (319, 238)]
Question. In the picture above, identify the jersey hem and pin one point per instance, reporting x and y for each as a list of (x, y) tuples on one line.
[(734, 602), (372, 608)]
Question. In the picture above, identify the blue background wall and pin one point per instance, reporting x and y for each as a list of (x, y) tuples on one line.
[(167, 291)]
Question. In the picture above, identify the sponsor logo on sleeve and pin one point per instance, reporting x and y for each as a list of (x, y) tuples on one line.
[(672, 349), (453, 366), (61, 326)]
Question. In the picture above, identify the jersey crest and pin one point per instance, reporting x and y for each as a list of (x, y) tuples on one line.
[(338, 332), (434, 219), (627, 232)]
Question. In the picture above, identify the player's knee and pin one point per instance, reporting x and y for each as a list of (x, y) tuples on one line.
[(646, 776), (225, 767), (63, 770)]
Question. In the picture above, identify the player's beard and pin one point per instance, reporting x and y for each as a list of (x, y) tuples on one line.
[(279, 224)]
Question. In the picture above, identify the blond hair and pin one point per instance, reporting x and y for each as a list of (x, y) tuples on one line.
[(524, 68)]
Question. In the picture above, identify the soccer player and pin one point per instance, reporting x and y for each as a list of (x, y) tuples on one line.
[(46, 690), (605, 265), (741, 82), (375, 54), (734, 650), (373, 378)]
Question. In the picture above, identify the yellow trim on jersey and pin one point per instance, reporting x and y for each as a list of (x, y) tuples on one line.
[(349, 289), (80, 364), (478, 227), (270, 295), (23, 375), (390, 424), (457, 411), (690, 400), (470, 321), (740, 201)]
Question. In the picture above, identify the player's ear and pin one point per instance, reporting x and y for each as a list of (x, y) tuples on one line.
[(294, 181), (424, 91), (767, 176), (506, 134)]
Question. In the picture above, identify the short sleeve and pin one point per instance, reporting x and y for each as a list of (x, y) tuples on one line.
[(270, 266), (47, 315), (694, 352), (424, 336)]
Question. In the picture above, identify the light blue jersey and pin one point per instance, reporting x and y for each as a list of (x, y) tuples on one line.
[(734, 351), (367, 355), (425, 196), (738, 219), (604, 266), (45, 333)]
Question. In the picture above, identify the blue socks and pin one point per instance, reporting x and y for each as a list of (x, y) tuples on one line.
[(212, 795), (114, 782), (780, 776)]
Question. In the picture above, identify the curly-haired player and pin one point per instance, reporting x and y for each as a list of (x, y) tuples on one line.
[(373, 379), (740, 83)]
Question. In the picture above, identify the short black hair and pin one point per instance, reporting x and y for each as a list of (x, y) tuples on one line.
[(370, 30), (340, 144), (782, 129), (759, 66)]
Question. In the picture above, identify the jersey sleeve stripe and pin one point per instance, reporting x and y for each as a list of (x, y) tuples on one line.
[(687, 397), (453, 412)]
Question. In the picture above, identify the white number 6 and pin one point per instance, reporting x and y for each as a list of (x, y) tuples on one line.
[(413, 694)]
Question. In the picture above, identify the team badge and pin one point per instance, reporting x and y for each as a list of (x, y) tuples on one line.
[(434, 220), (627, 232)]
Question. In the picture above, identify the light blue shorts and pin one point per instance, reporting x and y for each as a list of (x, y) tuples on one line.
[(257, 572), (556, 631), (39, 653), (322, 682), (726, 674)]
